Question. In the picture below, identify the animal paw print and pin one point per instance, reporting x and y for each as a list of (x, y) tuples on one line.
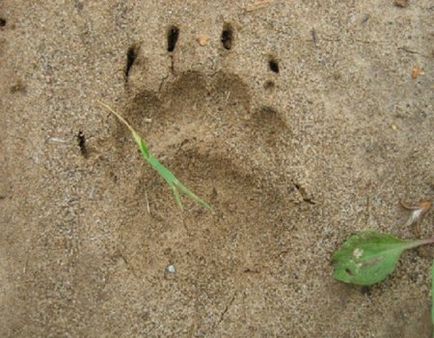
[(218, 131), (192, 85)]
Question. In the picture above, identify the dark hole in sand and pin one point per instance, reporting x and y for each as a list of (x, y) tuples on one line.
[(172, 38), (274, 66), (131, 58), (227, 36), (81, 140)]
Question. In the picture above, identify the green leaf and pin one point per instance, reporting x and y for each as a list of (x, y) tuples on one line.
[(369, 257)]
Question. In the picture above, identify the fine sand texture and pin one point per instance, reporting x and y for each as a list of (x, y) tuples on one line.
[(300, 122)]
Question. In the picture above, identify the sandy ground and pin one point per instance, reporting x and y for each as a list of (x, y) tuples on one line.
[(299, 121)]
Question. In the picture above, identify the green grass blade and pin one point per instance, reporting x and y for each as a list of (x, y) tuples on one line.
[(177, 197), (191, 195), (168, 176), (143, 147), (176, 186)]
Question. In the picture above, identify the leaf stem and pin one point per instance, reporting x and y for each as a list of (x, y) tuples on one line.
[(420, 242)]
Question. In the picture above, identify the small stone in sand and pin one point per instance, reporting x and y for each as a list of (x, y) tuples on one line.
[(416, 72), (171, 269), (203, 40)]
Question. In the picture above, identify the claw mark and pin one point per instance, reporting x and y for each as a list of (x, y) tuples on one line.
[(81, 140), (273, 64), (227, 36), (172, 38), (131, 58)]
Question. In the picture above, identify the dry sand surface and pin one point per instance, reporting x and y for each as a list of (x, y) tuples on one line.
[(300, 122)]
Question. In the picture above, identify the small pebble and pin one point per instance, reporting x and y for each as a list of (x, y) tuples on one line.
[(171, 269), (416, 72), (203, 40)]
